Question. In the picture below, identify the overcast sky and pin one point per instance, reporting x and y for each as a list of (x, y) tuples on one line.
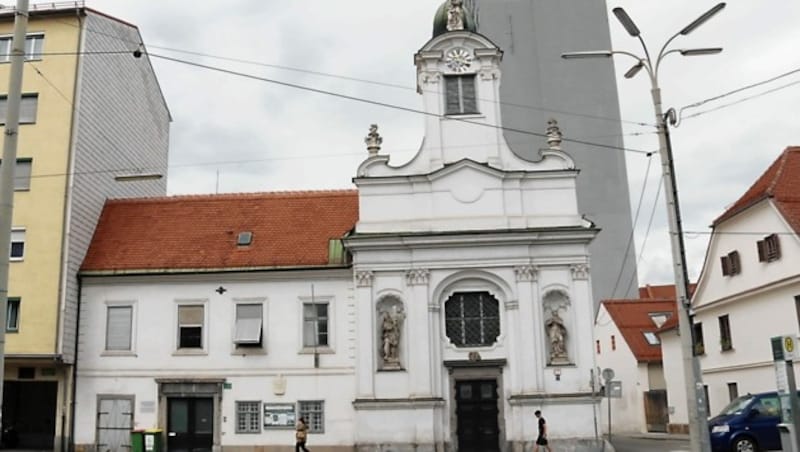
[(233, 134)]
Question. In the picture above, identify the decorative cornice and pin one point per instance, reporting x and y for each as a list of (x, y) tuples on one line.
[(417, 276), (397, 404), (364, 278), (579, 271), (570, 398), (512, 305), (526, 272)]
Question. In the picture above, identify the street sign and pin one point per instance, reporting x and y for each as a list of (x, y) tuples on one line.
[(608, 374), (614, 389)]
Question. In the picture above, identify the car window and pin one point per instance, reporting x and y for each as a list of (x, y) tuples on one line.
[(737, 405), (769, 406)]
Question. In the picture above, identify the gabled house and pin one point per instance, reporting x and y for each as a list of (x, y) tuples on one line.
[(626, 341), (748, 291)]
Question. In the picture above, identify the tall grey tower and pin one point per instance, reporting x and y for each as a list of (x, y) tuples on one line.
[(538, 84)]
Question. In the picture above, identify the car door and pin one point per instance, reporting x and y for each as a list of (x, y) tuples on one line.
[(764, 423)]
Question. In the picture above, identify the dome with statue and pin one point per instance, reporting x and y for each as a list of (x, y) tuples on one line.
[(454, 15)]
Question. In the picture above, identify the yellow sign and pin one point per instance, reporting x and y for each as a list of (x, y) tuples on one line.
[(788, 344)]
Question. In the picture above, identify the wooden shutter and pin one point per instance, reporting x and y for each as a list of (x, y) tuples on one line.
[(762, 250), (451, 96), (469, 100), (735, 263), (726, 266)]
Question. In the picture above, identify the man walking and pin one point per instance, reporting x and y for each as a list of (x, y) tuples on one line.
[(542, 439)]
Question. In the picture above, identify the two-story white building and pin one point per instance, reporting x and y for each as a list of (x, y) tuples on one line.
[(435, 308), (748, 291)]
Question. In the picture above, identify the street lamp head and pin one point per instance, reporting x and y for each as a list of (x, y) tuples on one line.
[(626, 22), (589, 54), (702, 51), (702, 19), (634, 69)]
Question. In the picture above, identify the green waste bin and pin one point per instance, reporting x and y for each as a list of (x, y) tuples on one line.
[(137, 441), (152, 440)]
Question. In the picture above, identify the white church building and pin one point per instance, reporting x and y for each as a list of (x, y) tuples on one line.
[(435, 308)]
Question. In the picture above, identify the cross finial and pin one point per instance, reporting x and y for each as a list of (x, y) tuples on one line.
[(220, 290)]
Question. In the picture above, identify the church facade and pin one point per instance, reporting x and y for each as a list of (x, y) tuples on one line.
[(433, 309)]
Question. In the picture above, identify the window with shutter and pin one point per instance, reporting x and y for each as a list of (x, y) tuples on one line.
[(190, 326), (772, 248), (12, 315), (248, 325), (697, 336), (17, 244), (119, 320), (315, 324), (725, 333), (735, 263), (27, 108), (460, 95), (726, 266), (22, 174)]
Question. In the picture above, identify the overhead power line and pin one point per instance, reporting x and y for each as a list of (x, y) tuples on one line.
[(382, 104)]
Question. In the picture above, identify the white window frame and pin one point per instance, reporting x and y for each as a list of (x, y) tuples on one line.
[(303, 412), (324, 299), (241, 348), (18, 236), (28, 108), (249, 429), (110, 304), (30, 41), (203, 349), (16, 301)]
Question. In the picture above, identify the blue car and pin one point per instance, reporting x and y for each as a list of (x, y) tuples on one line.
[(748, 424)]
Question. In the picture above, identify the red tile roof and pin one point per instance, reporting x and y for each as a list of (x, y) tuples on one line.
[(290, 229), (661, 292), (632, 318), (781, 182)]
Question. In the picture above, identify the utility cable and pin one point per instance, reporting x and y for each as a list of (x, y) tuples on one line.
[(382, 104), (647, 232), (633, 228), (694, 115)]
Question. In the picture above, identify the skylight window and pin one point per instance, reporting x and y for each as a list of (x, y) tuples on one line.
[(245, 238), (651, 338)]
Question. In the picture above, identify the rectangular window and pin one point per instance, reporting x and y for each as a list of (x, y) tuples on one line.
[(22, 174), (12, 315), (733, 391), (731, 264), (313, 411), (27, 108), (119, 322), (613, 343), (315, 324), (697, 333), (651, 338), (33, 47), (17, 244), (597, 344), (248, 325), (190, 326), (460, 95), (769, 249), (725, 333), (708, 402), (248, 417)]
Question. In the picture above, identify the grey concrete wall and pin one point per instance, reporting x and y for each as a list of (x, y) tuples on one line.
[(538, 84)]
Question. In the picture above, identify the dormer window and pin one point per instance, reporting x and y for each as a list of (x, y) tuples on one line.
[(460, 95), (769, 249), (731, 264)]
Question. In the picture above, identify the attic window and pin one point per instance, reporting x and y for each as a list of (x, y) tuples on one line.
[(651, 338), (731, 264), (245, 238), (769, 249)]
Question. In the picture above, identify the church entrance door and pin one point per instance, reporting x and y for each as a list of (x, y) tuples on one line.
[(477, 416)]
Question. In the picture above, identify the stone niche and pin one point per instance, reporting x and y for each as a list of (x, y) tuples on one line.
[(390, 322)]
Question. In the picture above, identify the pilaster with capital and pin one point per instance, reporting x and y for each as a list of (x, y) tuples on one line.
[(530, 371), (365, 358), (419, 332), (583, 302)]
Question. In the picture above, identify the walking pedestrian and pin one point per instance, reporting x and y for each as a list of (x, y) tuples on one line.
[(300, 434), (542, 439)]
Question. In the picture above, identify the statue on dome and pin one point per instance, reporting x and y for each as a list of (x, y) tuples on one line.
[(455, 15)]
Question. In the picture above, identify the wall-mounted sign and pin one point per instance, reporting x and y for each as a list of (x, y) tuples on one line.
[(614, 389), (279, 415)]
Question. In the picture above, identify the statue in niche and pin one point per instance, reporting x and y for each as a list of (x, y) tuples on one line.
[(391, 326), (557, 333)]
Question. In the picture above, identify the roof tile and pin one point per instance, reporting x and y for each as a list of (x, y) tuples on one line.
[(289, 229), (633, 319)]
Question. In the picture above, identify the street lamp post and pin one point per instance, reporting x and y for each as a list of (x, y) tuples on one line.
[(695, 394)]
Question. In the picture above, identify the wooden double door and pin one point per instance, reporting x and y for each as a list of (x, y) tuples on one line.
[(190, 424), (477, 415)]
